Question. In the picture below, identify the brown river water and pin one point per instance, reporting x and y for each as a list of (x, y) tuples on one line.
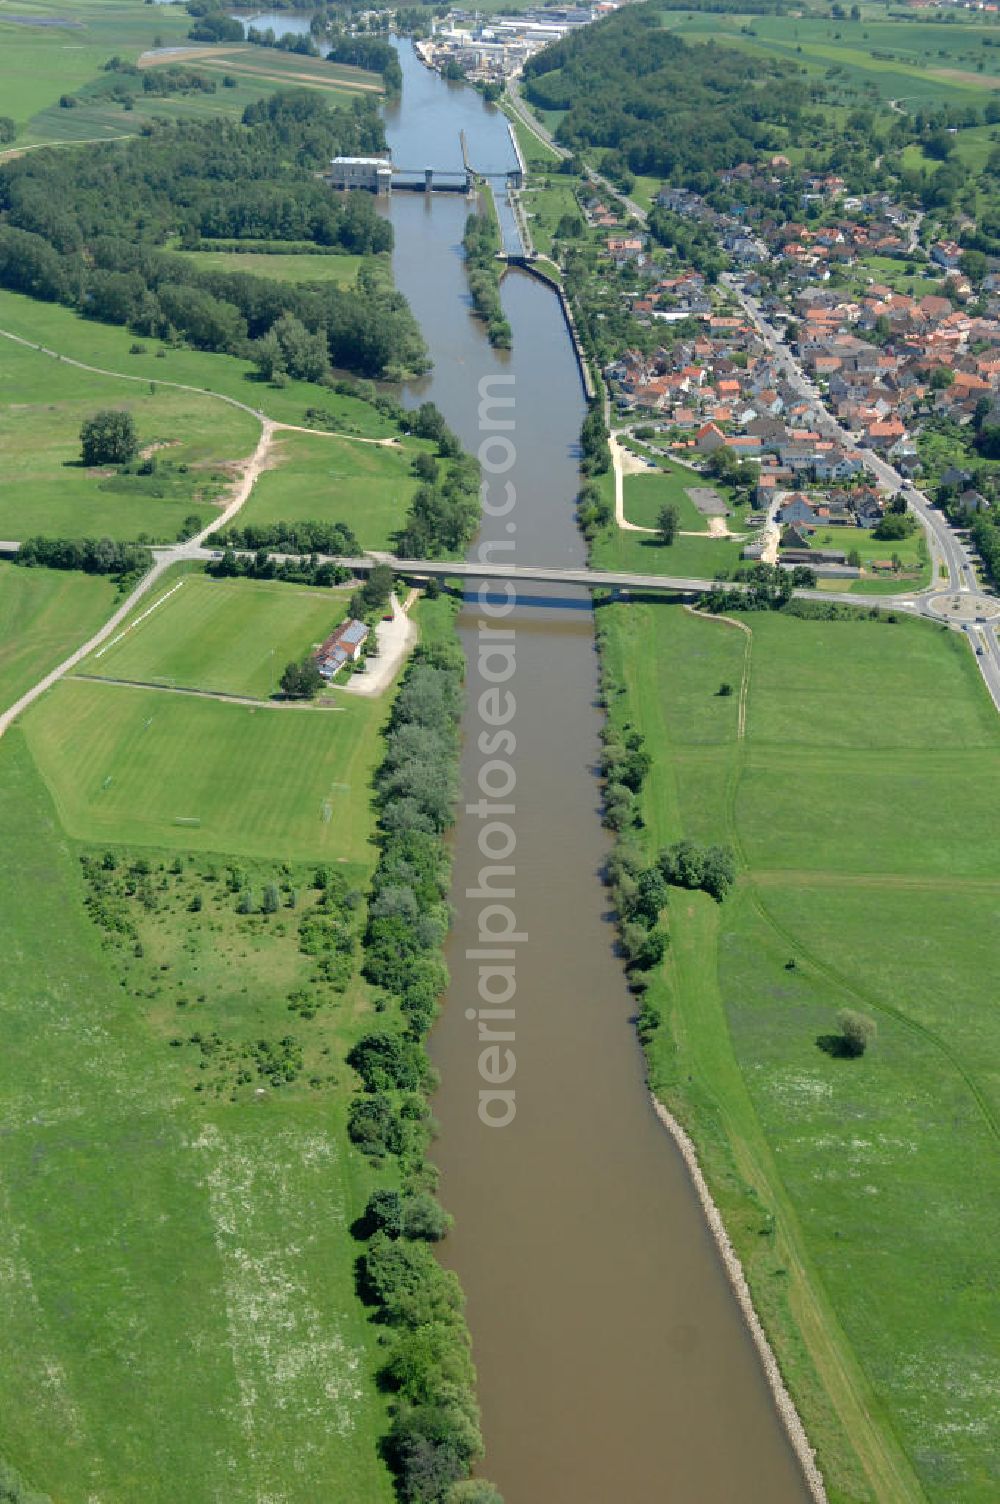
[(613, 1362)]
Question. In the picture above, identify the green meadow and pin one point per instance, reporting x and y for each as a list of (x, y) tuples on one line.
[(343, 270), (44, 488), (545, 207), (110, 347), (177, 1269), (44, 615), (177, 1272), (228, 636), (314, 478), (646, 492), (862, 1194), (917, 62), (42, 62), (698, 558), (915, 569), (148, 767)]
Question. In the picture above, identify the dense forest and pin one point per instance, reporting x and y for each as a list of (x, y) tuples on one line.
[(89, 227), (669, 109)]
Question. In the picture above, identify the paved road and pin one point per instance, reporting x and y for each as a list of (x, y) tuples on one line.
[(527, 118)]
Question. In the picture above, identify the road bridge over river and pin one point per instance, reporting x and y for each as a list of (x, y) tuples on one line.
[(966, 610)]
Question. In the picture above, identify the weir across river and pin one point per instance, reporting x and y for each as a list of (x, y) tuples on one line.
[(437, 179)]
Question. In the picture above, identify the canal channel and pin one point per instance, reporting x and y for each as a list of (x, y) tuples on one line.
[(613, 1361)]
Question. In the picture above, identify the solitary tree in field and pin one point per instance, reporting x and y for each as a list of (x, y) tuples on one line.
[(301, 680), (667, 522), (857, 1031), (109, 438)]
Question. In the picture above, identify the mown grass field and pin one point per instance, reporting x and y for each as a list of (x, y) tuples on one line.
[(44, 487), (44, 615), (862, 1194), (231, 636), (343, 270), (177, 1274), (148, 767), (106, 345), (646, 492), (319, 479), (699, 557), (534, 150)]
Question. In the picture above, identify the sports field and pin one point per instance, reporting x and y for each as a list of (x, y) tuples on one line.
[(44, 615), (862, 1194), (155, 768), (231, 636), (44, 487), (318, 479), (110, 347)]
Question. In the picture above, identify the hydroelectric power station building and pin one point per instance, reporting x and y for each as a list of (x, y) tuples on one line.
[(373, 173)]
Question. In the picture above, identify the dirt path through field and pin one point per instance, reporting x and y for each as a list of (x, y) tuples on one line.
[(624, 463)]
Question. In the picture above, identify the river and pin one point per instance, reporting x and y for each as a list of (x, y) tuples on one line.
[(613, 1362)]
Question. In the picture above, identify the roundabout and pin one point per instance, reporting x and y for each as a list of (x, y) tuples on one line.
[(964, 606)]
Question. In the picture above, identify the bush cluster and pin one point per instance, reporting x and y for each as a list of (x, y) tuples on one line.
[(301, 570), (686, 864), (765, 587), (624, 765), (593, 511), (91, 555)]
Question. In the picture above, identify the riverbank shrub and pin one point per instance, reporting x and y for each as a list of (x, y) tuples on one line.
[(481, 242), (593, 510), (594, 443), (434, 1437)]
